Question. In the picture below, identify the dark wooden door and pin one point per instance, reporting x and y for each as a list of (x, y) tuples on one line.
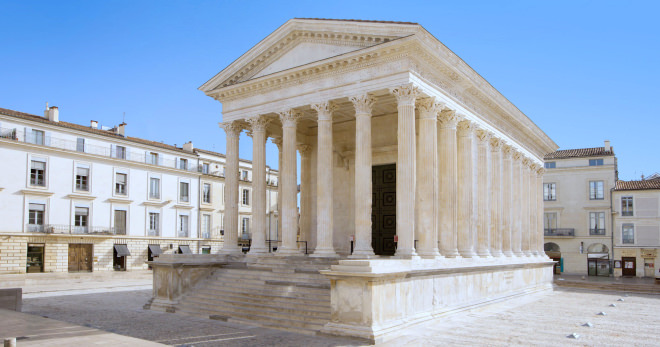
[(629, 264), (383, 209), (80, 257)]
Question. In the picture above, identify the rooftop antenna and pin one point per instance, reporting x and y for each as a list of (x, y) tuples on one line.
[(123, 118)]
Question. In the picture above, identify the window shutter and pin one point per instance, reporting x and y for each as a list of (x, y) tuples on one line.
[(176, 163), (26, 135), (147, 157), (160, 160), (113, 151), (127, 153)]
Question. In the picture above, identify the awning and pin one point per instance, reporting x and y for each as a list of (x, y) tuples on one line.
[(122, 250), (155, 250), (184, 249)]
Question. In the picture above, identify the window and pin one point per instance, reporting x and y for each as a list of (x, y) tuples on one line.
[(183, 192), (120, 222), (245, 228), (152, 158), (183, 226), (244, 175), (36, 217), (628, 233), (627, 206), (206, 226), (38, 173), (38, 137), (82, 178), (596, 190), (550, 165), (595, 162), (550, 222), (154, 188), (183, 164), (120, 152), (80, 144), (549, 192), (596, 223), (206, 193), (154, 218), (120, 183), (205, 168), (246, 197), (81, 218)]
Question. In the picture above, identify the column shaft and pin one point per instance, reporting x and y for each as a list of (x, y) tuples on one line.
[(525, 207), (289, 185), (305, 193), (258, 127), (448, 182), (483, 193), (496, 198), (277, 140), (516, 212), (230, 243), (465, 221), (539, 213), (363, 191), (507, 198), (533, 235), (324, 183), (427, 180)]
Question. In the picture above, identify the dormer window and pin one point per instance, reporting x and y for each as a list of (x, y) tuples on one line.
[(596, 162)]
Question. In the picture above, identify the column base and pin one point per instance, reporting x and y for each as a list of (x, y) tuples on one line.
[(497, 254), (405, 255), (432, 254), (468, 254), (508, 253), (257, 252), (324, 253), (484, 254), (363, 254), (287, 252), (231, 251), (452, 254)]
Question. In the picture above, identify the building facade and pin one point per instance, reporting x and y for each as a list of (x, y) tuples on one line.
[(577, 218), (90, 198), (637, 227)]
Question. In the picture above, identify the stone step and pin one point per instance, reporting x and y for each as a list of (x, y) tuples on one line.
[(254, 300), (264, 287), (266, 310), (294, 278), (294, 273), (317, 300)]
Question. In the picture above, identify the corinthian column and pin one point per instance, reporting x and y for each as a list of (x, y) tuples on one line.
[(324, 184), (258, 129), (483, 193), (507, 198), (516, 210), (496, 197), (466, 211), (448, 182), (525, 206), (305, 192), (427, 179), (289, 185), (533, 235), (405, 169), (277, 140), (363, 105), (230, 243), (539, 213)]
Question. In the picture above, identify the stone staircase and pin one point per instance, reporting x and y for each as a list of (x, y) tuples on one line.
[(281, 293)]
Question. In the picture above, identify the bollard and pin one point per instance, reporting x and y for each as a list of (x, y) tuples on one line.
[(10, 342)]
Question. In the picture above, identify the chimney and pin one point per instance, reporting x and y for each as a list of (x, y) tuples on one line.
[(46, 111), (188, 146), (53, 114), (121, 129), (608, 148), (94, 124)]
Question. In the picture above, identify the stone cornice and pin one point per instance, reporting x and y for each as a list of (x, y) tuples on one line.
[(156, 203), (80, 197), (36, 192), (119, 200)]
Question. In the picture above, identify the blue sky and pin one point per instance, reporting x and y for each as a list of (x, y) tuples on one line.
[(583, 71)]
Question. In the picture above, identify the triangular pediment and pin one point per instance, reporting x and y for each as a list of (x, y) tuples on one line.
[(302, 41)]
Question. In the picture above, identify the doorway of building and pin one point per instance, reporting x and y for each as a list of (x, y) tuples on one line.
[(598, 260), (649, 268), (80, 257), (35, 258), (383, 209), (629, 266), (553, 252), (119, 255)]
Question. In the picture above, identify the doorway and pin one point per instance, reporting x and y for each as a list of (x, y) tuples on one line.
[(80, 257), (629, 265), (383, 209), (119, 255), (35, 258)]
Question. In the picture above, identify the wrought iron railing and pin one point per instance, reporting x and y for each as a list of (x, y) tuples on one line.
[(596, 231), (73, 229), (559, 232)]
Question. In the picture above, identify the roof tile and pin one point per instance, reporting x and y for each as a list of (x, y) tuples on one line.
[(638, 185), (579, 153)]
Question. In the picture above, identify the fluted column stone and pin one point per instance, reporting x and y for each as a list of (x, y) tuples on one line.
[(496, 224), (289, 245), (507, 199), (230, 242), (305, 192), (427, 179), (465, 222), (258, 129), (277, 140), (483, 193), (525, 206), (448, 183), (363, 199), (539, 213), (324, 184), (405, 169), (516, 212), (533, 235)]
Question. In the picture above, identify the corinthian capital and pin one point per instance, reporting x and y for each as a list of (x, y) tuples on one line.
[(541, 171), (484, 136), (406, 94), (496, 144), (289, 118), (506, 150), (429, 108), (363, 103), (516, 155), (232, 129), (277, 140), (465, 128), (449, 119), (257, 123), (324, 109), (304, 150)]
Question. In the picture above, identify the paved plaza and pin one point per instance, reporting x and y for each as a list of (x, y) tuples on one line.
[(542, 320)]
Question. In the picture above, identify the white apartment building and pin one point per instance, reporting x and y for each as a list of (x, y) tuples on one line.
[(637, 227), (90, 198), (577, 219)]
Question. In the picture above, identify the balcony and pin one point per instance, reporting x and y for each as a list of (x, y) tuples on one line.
[(600, 232), (559, 232), (73, 229), (153, 232)]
